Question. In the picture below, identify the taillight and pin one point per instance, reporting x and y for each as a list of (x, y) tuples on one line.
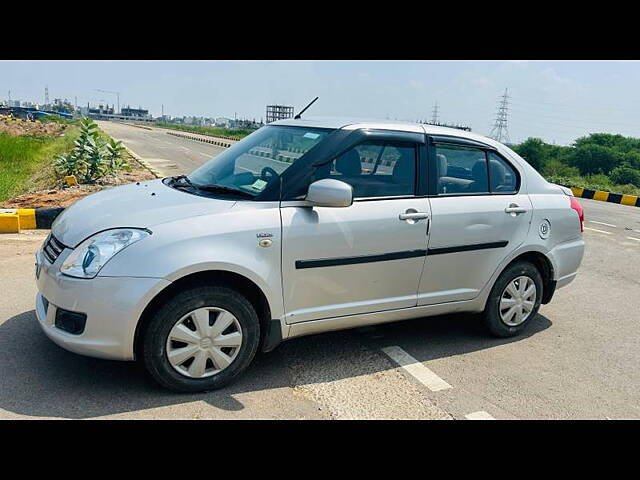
[(575, 205)]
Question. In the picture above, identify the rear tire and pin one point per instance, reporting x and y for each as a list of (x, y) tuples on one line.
[(212, 359), (514, 300)]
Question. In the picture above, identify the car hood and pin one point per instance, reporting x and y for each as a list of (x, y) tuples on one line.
[(142, 205)]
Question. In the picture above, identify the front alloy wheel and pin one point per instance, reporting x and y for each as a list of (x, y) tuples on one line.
[(201, 338), (204, 342)]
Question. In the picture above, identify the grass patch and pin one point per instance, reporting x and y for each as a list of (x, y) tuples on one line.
[(236, 133), (26, 161)]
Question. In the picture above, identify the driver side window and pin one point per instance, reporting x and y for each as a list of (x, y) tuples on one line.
[(374, 169)]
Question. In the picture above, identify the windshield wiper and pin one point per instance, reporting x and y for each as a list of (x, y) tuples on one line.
[(208, 188), (182, 177), (222, 188)]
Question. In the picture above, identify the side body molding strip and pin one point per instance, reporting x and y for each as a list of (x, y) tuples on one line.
[(333, 262)]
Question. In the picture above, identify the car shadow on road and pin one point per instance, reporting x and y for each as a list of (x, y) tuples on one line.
[(449, 335), (38, 378)]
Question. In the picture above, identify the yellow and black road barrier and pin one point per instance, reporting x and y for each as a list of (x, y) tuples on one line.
[(632, 200), (16, 219)]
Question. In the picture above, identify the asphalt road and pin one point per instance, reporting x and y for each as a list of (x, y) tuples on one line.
[(580, 358), (169, 154)]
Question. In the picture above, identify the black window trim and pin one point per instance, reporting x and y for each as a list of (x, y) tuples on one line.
[(364, 135), (434, 140)]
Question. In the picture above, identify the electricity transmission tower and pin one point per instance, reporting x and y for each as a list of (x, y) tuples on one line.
[(434, 116), (46, 95), (499, 131)]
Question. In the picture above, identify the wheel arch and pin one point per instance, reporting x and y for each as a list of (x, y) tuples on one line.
[(544, 266), (242, 284)]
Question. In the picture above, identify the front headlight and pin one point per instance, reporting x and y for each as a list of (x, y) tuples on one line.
[(91, 255)]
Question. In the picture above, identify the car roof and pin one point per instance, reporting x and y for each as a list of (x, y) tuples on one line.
[(535, 181), (348, 123)]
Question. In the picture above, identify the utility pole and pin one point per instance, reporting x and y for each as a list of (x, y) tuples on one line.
[(499, 131), (434, 117)]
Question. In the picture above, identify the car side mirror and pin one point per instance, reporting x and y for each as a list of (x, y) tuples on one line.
[(330, 193)]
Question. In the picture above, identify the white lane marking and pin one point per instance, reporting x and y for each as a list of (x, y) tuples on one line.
[(416, 369), (602, 223), (596, 230), (634, 238), (481, 415)]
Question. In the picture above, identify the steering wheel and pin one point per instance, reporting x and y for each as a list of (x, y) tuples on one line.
[(268, 174)]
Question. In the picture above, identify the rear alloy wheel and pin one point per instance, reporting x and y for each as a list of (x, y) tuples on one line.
[(514, 300), (517, 301), (201, 339)]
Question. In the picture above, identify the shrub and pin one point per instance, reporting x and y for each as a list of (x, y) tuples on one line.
[(93, 157), (625, 174), (554, 167), (592, 159)]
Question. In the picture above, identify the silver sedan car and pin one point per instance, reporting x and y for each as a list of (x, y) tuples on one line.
[(305, 226)]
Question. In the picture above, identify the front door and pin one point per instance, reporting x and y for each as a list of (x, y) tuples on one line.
[(478, 216), (364, 258)]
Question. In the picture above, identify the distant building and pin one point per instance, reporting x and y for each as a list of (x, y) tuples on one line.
[(223, 122), (126, 114), (134, 112), (101, 110), (278, 112)]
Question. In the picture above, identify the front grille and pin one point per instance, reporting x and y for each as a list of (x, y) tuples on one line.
[(52, 248)]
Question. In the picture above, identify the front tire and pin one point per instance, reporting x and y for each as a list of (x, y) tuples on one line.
[(514, 300), (201, 339)]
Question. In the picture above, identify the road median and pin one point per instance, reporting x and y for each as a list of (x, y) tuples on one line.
[(13, 220), (212, 141), (631, 200)]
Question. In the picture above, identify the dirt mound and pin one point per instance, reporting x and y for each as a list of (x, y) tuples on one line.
[(51, 198), (63, 196), (16, 127)]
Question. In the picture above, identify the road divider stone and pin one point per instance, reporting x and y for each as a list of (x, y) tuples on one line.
[(15, 219), (212, 141), (631, 200)]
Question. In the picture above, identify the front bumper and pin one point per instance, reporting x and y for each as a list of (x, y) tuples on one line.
[(113, 306)]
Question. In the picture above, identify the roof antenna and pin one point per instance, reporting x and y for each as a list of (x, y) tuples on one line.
[(305, 109)]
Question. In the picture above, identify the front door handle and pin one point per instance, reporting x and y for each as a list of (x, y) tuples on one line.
[(515, 209), (412, 215)]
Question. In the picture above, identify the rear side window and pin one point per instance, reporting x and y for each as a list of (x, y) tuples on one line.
[(374, 169), (504, 179), (461, 170)]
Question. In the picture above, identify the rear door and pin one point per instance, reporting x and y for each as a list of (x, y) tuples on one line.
[(478, 216)]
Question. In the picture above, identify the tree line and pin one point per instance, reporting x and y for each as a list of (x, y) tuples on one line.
[(605, 157)]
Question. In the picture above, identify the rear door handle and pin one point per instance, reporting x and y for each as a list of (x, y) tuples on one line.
[(515, 209)]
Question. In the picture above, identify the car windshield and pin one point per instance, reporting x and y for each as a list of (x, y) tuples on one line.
[(252, 164)]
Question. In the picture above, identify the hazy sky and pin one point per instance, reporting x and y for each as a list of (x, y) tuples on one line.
[(557, 101)]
